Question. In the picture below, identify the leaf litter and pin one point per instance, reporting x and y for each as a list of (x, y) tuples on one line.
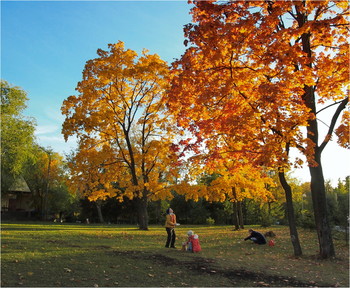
[(207, 266)]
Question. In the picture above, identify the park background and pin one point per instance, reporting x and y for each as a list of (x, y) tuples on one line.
[(45, 45)]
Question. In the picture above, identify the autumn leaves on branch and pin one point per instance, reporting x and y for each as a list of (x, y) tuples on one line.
[(248, 89)]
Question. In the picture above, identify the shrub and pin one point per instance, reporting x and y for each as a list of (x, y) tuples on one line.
[(210, 221)]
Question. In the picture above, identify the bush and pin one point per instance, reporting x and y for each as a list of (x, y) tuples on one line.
[(266, 220), (307, 220), (210, 221)]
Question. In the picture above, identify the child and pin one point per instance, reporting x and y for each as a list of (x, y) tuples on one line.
[(192, 242)]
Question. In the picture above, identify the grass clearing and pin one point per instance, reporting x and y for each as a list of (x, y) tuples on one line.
[(78, 255)]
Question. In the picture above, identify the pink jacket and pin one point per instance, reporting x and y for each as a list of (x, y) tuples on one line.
[(196, 247)]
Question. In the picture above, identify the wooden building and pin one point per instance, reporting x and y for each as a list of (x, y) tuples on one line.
[(18, 198)]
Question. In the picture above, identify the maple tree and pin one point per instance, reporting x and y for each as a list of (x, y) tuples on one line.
[(218, 178), (237, 183), (125, 136), (260, 72)]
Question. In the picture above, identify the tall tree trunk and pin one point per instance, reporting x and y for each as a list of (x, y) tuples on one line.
[(290, 213), (235, 209), (142, 213), (319, 201), (240, 215), (318, 190), (235, 215), (99, 211)]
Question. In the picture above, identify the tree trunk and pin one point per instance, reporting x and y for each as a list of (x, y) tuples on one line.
[(99, 212), (318, 193), (235, 209), (142, 213), (240, 215), (235, 215), (290, 213), (318, 190)]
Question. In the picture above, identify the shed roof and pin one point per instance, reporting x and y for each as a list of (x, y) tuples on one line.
[(19, 185)]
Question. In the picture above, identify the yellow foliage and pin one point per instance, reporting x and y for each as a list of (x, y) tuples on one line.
[(125, 136)]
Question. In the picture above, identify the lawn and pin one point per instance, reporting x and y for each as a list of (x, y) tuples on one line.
[(67, 255)]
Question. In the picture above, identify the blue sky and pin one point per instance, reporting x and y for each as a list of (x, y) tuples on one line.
[(45, 44)]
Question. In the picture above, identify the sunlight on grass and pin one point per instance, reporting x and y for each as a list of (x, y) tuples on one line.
[(83, 255)]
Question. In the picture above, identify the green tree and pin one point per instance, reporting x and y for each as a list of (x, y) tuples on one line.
[(341, 216), (17, 133), (46, 176), (61, 203)]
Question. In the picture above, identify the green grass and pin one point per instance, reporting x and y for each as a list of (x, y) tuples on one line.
[(67, 255)]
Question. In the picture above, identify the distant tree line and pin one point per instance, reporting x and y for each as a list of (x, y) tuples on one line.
[(203, 212)]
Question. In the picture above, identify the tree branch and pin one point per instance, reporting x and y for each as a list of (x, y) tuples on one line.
[(340, 108), (335, 103)]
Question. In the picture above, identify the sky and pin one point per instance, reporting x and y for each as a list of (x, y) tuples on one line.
[(45, 45)]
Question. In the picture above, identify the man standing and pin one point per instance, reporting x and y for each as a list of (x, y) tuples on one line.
[(170, 223)]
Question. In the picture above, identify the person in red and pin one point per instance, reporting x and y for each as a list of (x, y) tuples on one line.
[(193, 242)]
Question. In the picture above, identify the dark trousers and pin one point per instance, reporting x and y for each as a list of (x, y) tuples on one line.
[(171, 237)]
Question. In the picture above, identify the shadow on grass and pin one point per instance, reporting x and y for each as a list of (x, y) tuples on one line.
[(202, 266)]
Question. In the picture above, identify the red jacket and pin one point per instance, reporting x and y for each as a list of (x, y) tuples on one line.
[(196, 247)]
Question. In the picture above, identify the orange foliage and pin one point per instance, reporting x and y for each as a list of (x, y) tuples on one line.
[(343, 131), (119, 117), (246, 76)]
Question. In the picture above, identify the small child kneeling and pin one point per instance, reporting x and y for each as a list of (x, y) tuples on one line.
[(192, 243)]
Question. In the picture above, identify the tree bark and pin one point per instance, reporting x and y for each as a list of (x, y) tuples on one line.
[(319, 201), (142, 213), (235, 215), (99, 212), (240, 215), (235, 209), (290, 213), (318, 190)]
